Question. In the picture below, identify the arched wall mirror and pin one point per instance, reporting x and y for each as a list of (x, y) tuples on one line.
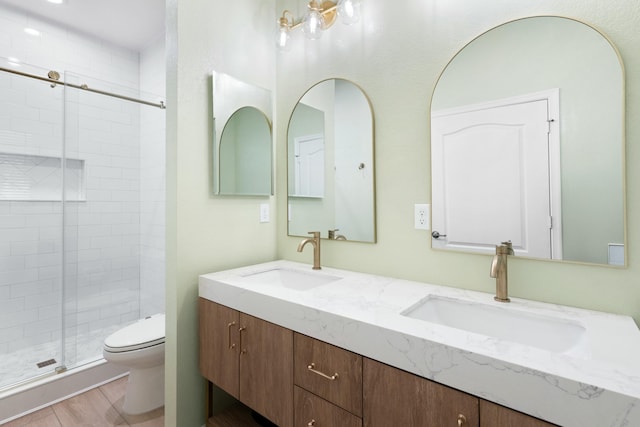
[(331, 163), (527, 144), (242, 147)]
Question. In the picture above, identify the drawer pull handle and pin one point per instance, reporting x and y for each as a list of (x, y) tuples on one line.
[(312, 368), (231, 346), (462, 420), (242, 350), (311, 423)]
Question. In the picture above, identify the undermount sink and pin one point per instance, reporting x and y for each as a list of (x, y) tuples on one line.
[(555, 334), (288, 278)]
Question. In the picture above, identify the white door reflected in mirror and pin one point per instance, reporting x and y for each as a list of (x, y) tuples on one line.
[(493, 160), (309, 166)]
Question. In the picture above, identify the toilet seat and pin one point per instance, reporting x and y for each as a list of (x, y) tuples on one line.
[(144, 333)]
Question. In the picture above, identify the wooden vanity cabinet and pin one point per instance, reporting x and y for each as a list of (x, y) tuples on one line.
[(333, 373), (492, 415), (393, 397), (219, 361), (258, 363), (249, 358), (311, 410)]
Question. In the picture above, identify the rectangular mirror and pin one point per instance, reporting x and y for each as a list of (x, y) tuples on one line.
[(242, 146)]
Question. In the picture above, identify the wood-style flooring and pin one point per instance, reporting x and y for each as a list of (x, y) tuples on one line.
[(98, 407)]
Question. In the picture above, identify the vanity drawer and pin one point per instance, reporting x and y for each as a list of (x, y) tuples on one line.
[(311, 410), (328, 371)]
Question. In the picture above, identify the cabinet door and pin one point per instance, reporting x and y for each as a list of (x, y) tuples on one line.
[(219, 345), (336, 374), (492, 415), (266, 369), (311, 410), (393, 397)]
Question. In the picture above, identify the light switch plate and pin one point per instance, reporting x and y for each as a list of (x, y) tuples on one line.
[(264, 212), (422, 216)]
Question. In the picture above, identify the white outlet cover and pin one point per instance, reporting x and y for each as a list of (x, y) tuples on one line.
[(422, 216)]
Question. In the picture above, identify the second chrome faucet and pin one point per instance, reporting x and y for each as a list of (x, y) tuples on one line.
[(315, 242)]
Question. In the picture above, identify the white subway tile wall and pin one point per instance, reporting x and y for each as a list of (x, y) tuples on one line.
[(114, 240)]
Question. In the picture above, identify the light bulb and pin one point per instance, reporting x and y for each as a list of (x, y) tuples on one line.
[(283, 38), (282, 32), (313, 22), (349, 11)]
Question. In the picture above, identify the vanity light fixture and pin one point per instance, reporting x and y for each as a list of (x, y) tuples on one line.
[(320, 16)]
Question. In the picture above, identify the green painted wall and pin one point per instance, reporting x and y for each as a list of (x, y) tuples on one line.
[(396, 58), (204, 232)]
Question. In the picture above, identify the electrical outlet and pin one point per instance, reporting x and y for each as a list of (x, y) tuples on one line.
[(422, 220), (264, 212)]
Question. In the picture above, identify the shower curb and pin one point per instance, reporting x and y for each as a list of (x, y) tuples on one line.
[(23, 400)]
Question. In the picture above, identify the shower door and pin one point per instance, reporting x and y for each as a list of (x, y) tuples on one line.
[(31, 225), (113, 169), (102, 224), (81, 217)]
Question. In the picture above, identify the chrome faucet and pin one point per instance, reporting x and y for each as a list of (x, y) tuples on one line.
[(499, 270), (315, 242)]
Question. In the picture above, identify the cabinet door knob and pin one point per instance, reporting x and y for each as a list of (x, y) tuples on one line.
[(311, 423), (462, 420), (312, 368)]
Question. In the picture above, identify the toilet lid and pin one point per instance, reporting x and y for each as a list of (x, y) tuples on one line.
[(144, 333)]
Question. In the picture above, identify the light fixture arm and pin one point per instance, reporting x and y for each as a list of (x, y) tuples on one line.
[(320, 15), (327, 9)]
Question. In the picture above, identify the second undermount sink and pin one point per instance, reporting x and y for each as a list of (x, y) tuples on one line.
[(289, 278), (547, 332)]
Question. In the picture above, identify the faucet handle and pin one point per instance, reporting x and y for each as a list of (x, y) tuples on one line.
[(315, 234), (505, 248)]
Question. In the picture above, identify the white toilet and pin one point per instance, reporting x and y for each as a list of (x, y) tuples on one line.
[(140, 347)]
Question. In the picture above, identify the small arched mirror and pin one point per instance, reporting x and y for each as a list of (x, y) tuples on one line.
[(245, 154), (330, 163), (242, 138), (527, 144)]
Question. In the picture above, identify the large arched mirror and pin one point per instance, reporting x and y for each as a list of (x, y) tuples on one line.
[(331, 164), (242, 146), (527, 144)]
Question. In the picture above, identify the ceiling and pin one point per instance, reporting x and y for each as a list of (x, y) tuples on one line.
[(133, 24)]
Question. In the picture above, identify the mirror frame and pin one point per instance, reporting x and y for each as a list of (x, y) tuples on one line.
[(230, 95), (324, 233), (622, 141)]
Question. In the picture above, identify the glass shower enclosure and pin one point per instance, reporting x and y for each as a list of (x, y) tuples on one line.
[(81, 214)]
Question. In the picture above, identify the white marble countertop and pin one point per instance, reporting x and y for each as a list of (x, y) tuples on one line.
[(362, 313)]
